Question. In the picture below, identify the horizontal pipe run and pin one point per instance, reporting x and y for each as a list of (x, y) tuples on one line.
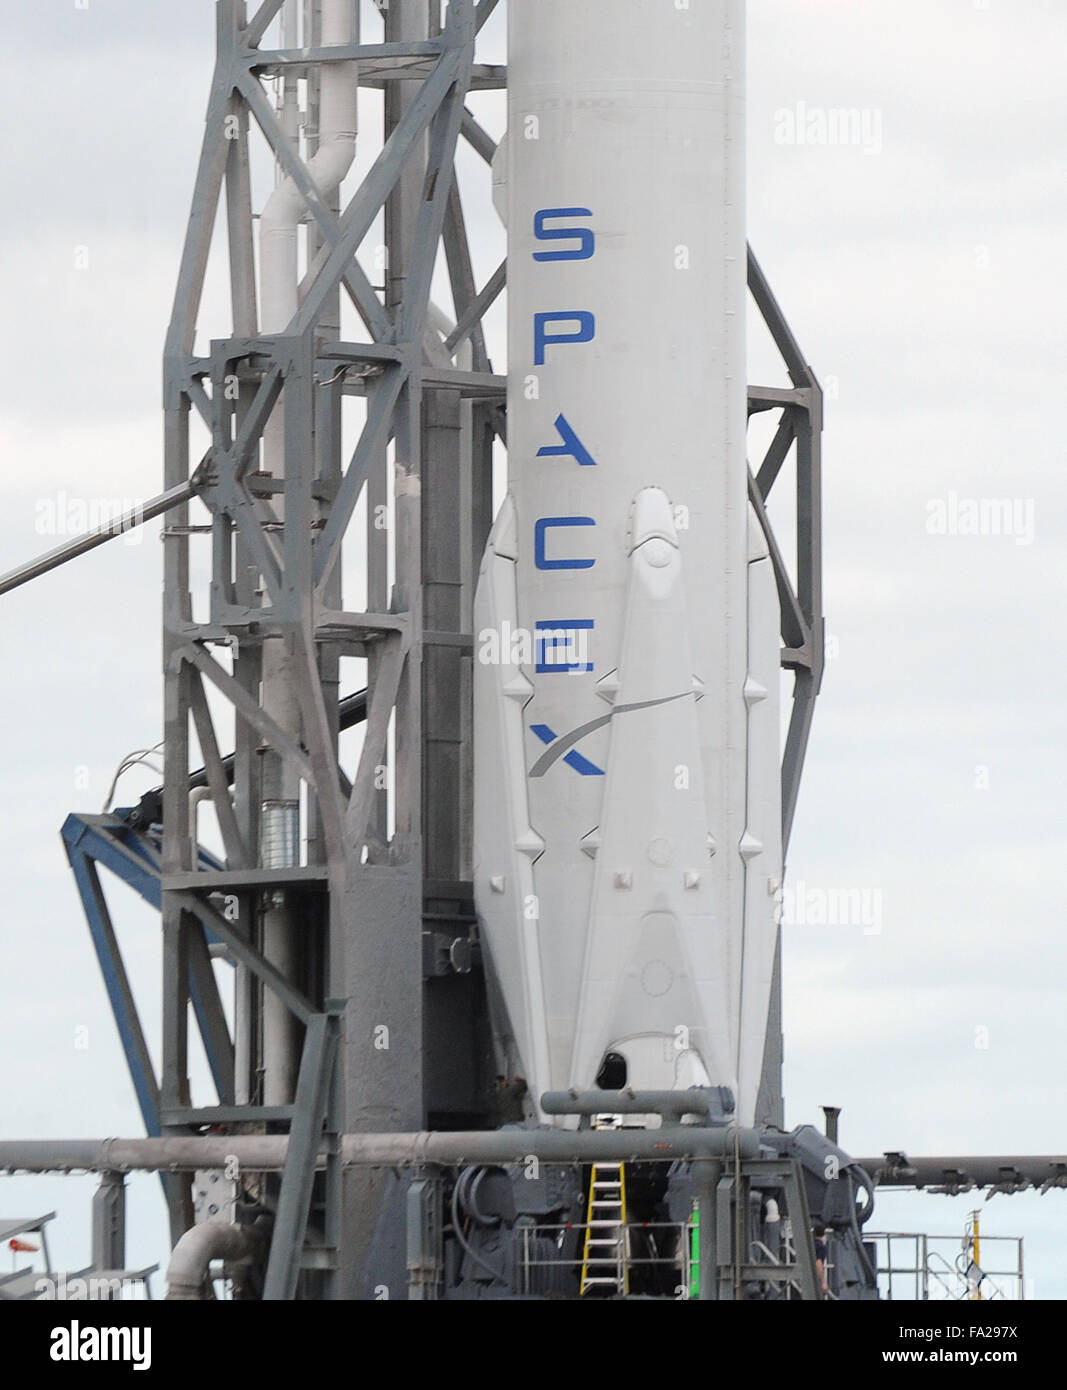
[(266, 1153), (118, 526), (628, 1102), (983, 1170), (262, 1153)]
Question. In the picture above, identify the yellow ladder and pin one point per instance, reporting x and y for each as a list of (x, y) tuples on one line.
[(604, 1262)]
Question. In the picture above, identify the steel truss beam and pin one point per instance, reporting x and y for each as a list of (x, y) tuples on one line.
[(800, 425)]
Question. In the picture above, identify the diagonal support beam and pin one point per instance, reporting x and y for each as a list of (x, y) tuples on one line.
[(469, 309), (305, 1139), (359, 288), (246, 953), (260, 720), (210, 1016), (776, 454), (477, 308), (193, 387), (795, 630), (481, 14), (236, 849), (364, 208), (440, 173), (383, 399), (382, 700), (321, 744), (479, 139), (255, 421), (117, 983), (261, 22), (251, 516), (799, 372), (214, 158), (796, 746)]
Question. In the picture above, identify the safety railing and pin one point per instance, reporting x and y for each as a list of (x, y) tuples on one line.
[(937, 1268), (661, 1251)]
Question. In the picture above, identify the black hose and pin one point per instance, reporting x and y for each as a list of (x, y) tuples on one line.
[(149, 810), (464, 1242)]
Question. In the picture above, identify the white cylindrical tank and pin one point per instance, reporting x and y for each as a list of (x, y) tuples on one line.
[(616, 865)]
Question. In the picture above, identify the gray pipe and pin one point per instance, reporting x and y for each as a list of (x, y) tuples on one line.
[(262, 1154), (705, 1188), (983, 1170), (266, 1153), (674, 1103), (191, 1258), (117, 526)]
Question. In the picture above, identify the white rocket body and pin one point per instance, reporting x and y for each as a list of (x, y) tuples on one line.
[(627, 801)]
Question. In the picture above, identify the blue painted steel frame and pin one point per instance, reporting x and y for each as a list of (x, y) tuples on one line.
[(107, 840)]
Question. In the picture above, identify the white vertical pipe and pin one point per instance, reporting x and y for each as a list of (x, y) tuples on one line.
[(280, 222)]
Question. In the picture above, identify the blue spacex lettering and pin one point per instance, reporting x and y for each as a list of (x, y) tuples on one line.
[(561, 645), (541, 530), (585, 330), (578, 761), (572, 446), (583, 235)]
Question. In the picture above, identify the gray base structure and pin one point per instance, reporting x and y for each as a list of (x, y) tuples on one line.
[(716, 1212)]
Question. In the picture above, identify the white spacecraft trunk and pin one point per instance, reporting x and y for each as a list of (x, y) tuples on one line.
[(627, 794)]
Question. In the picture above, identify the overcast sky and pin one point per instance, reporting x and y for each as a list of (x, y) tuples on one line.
[(921, 265)]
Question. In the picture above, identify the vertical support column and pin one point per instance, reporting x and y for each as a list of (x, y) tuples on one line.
[(177, 846), (247, 798), (407, 20), (706, 1174), (453, 1006), (725, 1244), (377, 572), (425, 1250), (177, 612), (382, 1057), (476, 519), (109, 1223), (443, 665), (809, 594), (809, 523), (327, 421)]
